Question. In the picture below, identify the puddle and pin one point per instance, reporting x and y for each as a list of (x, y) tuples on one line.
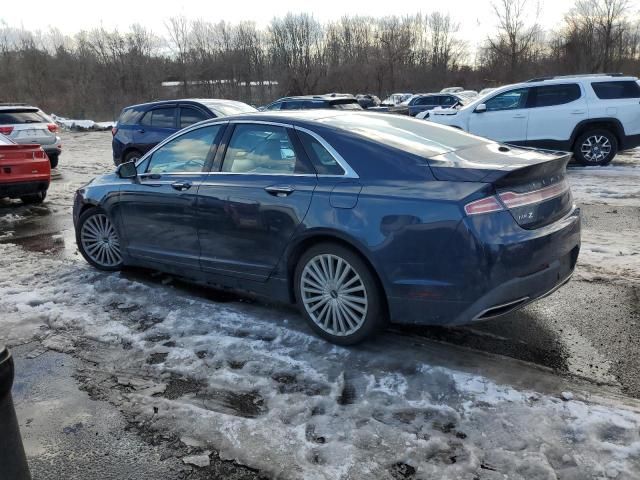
[(42, 242), (239, 404)]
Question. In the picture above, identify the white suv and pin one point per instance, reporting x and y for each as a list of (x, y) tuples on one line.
[(594, 116)]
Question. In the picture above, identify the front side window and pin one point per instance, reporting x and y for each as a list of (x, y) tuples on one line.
[(261, 149), (550, 95), (189, 116), (616, 89), (510, 100), (323, 161), (160, 118), (187, 153)]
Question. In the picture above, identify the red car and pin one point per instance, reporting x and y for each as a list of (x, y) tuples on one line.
[(25, 171)]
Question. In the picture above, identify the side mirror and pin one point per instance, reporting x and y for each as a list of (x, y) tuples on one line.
[(127, 170), (481, 108)]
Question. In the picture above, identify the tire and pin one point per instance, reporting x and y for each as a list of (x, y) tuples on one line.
[(98, 241), (34, 198), (360, 314), (131, 156), (53, 159), (595, 147)]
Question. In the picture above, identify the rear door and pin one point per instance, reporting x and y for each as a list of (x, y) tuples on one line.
[(154, 126), (250, 207), (158, 210), (554, 113), (505, 119)]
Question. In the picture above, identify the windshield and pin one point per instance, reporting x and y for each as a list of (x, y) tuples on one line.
[(231, 108)]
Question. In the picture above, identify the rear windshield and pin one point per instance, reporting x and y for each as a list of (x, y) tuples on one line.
[(414, 136), (617, 89), (226, 109), (22, 115)]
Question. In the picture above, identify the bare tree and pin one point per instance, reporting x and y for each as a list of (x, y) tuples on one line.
[(517, 36)]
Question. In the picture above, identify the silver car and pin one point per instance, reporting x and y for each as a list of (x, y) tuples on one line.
[(25, 124)]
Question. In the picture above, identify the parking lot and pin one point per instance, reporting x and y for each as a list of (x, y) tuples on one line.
[(142, 371)]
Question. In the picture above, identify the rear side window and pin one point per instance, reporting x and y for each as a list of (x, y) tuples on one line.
[(189, 116), (261, 149), (129, 116), (616, 89), (22, 115), (160, 117), (550, 95), (274, 106), (323, 161)]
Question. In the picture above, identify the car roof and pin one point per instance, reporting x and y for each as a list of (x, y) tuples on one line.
[(203, 101), (587, 77), (327, 97), (21, 106)]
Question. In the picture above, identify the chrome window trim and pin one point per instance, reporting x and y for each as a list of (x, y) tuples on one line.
[(348, 171)]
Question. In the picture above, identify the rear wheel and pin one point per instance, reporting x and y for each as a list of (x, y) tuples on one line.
[(596, 147), (34, 198), (98, 240), (53, 159), (339, 294)]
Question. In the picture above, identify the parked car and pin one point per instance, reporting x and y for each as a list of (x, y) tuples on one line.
[(142, 127), (424, 102), (358, 217), (305, 102), (468, 94), (367, 100), (25, 124), (25, 171), (452, 90), (594, 116)]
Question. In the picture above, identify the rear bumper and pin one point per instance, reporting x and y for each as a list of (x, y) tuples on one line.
[(499, 278), (19, 189)]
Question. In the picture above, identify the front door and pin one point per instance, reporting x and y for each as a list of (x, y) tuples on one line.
[(155, 125), (159, 210), (505, 119), (250, 208)]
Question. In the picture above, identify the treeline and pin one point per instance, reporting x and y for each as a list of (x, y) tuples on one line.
[(94, 73)]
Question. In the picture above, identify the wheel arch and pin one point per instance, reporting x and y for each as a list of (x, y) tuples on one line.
[(612, 124), (301, 244)]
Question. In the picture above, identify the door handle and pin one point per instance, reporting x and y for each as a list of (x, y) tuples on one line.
[(519, 116), (578, 112), (279, 190), (181, 186)]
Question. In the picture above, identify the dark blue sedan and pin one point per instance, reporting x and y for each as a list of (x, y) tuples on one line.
[(360, 218)]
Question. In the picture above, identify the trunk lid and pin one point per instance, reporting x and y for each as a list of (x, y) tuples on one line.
[(21, 163), (530, 183)]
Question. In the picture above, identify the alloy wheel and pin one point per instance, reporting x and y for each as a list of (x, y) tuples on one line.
[(596, 148), (100, 241), (333, 294)]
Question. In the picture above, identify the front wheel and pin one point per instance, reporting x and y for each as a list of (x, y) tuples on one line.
[(596, 147), (98, 240), (338, 294)]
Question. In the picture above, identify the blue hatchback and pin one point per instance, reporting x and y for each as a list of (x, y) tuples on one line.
[(360, 218), (142, 127)]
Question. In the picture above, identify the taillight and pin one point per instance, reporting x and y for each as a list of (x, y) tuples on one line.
[(40, 154), (514, 200), (52, 127), (484, 205), (6, 130), (114, 130)]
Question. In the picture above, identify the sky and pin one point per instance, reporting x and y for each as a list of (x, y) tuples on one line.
[(476, 17)]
